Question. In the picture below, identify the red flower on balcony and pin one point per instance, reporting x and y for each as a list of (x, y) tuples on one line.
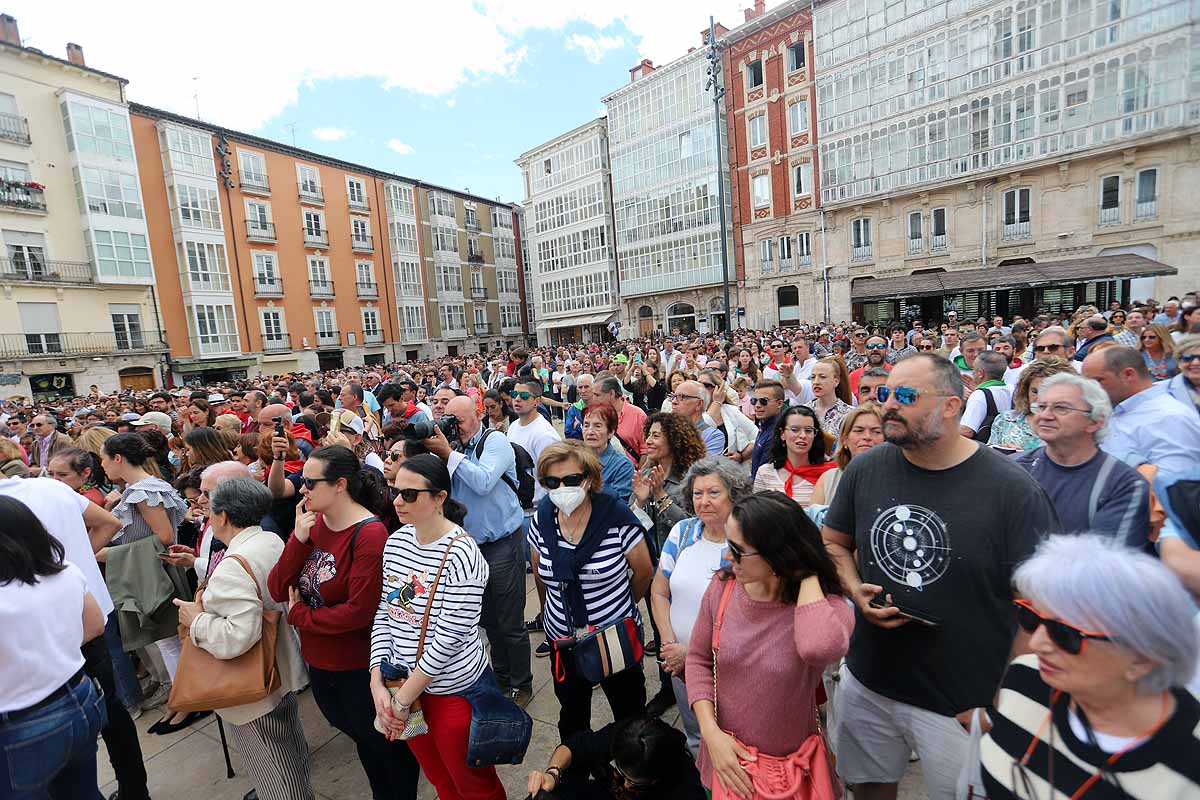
[(33, 185)]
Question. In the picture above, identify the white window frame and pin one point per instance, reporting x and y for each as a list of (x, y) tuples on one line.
[(756, 131), (119, 194), (860, 231), (1013, 226), (802, 180), (939, 241), (309, 188), (318, 270), (356, 192), (371, 315), (400, 200), (803, 250), (800, 47), (1145, 208), (1111, 214), (221, 322), (198, 207), (766, 254), (127, 324), (364, 273), (110, 246), (311, 214), (247, 167), (206, 266), (445, 313), (276, 332), (410, 281), (409, 312), (360, 230), (266, 270), (759, 197), (327, 332), (751, 85)]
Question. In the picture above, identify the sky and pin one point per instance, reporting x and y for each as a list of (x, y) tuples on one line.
[(449, 92)]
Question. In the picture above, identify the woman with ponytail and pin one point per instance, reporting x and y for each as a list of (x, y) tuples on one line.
[(430, 635), (330, 577)]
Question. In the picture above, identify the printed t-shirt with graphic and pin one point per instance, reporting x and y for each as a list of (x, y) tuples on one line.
[(688, 562), (339, 592), (944, 544)]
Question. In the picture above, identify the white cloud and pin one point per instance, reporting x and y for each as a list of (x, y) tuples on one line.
[(330, 134), (397, 146), (594, 47), (245, 87)]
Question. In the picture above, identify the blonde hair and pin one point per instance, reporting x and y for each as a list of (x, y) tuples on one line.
[(1164, 339), (93, 439), (9, 449), (559, 452), (843, 455)]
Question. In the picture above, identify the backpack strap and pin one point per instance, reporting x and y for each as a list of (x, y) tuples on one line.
[(1106, 469), (509, 482)]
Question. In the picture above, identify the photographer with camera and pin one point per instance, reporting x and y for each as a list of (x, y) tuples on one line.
[(482, 471)]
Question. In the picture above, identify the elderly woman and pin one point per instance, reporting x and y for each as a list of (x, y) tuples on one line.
[(724, 413), (693, 552), (599, 427), (782, 618), (1013, 429), (861, 430), (1185, 387), (797, 457), (589, 551), (268, 733), (1098, 708)]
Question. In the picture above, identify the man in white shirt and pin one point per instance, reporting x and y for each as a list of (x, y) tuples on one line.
[(803, 359), (670, 357), (988, 376)]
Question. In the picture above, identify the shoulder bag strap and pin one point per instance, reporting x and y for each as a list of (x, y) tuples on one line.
[(354, 538), (429, 604), (246, 566), (726, 593)]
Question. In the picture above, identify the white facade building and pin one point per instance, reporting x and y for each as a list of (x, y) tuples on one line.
[(664, 187), (570, 235)]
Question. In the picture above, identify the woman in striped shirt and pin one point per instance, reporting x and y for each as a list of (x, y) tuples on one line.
[(452, 660), (1098, 709), (583, 544)]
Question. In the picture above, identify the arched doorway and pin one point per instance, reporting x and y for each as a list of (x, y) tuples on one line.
[(645, 321), (139, 379), (683, 317), (788, 298)]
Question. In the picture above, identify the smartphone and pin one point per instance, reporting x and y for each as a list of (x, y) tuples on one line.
[(279, 426), (913, 615), (165, 556)]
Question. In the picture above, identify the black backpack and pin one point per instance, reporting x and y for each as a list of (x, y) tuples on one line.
[(985, 430), (526, 483)]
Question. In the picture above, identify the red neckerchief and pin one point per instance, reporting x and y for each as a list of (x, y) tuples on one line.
[(808, 472)]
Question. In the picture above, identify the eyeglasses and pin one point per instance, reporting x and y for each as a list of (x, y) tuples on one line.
[(860, 335), (393, 455), (521, 395), (1046, 348), (410, 495), (905, 395), (311, 483), (925, 347), (801, 431), (760, 401), (1067, 637), (676, 397), (1148, 337), (632, 783), (879, 346), (574, 479), (1056, 409), (737, 552), (708, 386)]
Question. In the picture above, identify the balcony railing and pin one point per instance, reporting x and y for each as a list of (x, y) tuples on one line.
[(454, 333), (100, 343), (479, 293), (268, 286), (257, 231), (360, 205), (328, 339), (786, 265), (474, 227), (367, 289), (475, 258), (1110, 216), (277, 341), (311, 193), (1146, 209), (23, 195), (916, 245), (413, 335), (483, 328), (861, 253), (316, 237), (256, 182), (372, 337), (320, 288), (804, 261), (14, 129), (362, 244), (938, 242), (215, 344), (1018, 230), (34, 270)]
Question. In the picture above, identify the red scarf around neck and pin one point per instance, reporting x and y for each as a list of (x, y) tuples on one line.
[(807, 472)]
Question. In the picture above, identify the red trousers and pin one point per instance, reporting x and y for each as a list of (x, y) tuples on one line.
[(442, 753)]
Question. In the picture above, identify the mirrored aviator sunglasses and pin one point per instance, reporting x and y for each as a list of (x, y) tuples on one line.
[(905, 395)]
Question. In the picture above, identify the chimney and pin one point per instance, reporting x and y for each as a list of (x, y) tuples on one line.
[(760, 6), (75, 54), (644, 68), (718, 28), (8, 30)]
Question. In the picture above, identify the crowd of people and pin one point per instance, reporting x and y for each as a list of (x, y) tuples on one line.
[(841, 547)]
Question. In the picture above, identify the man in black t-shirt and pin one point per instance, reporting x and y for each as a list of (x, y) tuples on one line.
[(926, 531)]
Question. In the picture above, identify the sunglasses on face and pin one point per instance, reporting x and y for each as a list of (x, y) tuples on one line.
[(1148, 337), (393, 455), (708, 386), (411, 495), (574, 479), (925, 347), (760, 401), (737, 552), (311, 483), (632, 783), (905, 395), (1067, 637), (1188, 358), (521, 395), (1046, 348), (877, 346)]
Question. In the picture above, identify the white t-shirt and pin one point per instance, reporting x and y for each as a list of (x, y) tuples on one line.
[(804, 371), (1012, 375), (372, 459), (976, 411), (689, 577), (60, 509), (534, 437), (43, 631)]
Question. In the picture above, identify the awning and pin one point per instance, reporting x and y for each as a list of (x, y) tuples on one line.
[(1010, 276), (203, 366), (574, 322)]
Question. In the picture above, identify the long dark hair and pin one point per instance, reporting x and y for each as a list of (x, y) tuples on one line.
[(816, 452), (651, 750), (434, 471), (365, 485), (27, 550), (776, 527), (208, 447)]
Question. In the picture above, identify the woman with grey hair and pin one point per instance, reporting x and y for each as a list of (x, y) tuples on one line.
[(268, 733), (693, 551), (1097, 708)]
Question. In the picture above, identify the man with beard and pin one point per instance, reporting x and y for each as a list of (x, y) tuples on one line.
[(876, 349), (926, 530)]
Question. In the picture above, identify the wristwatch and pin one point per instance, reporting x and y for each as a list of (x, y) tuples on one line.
[(556, 772)]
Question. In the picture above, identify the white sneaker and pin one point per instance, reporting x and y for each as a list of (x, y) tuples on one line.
[(158, 698)]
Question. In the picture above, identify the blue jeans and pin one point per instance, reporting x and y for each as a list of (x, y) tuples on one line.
[(129, 691), (500, 729), (51, 753)]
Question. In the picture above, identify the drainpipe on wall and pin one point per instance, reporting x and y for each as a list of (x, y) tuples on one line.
[(162, 334), (983, 223), (824, 263)]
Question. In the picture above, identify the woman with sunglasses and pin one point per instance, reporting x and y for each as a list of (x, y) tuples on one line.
[(1158, 351), (1098, 708), (451, 660), (797, 458), (784, 619), (1185, 387), (590, 552), (330, 578)]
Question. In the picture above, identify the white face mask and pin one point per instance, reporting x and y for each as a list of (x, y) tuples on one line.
[(568, 498)]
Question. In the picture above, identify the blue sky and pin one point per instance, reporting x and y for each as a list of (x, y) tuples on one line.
[(448, 91)]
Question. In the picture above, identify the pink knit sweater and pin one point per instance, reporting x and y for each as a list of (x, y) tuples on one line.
[(771, 658)]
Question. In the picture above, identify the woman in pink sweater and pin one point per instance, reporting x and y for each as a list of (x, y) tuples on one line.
[(786, 619)]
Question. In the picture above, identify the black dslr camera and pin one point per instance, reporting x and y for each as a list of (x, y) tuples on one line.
[(420, 431)]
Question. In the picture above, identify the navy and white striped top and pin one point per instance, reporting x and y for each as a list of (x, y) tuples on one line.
[(605, 578), (453, 657)]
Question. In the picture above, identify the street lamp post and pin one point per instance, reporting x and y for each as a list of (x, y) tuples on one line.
[(718, 90)]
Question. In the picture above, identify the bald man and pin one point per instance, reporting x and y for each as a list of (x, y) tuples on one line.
[(299, 431), (207, 555)]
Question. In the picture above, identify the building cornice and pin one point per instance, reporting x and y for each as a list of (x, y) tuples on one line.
[(582, 132), (31, 52)]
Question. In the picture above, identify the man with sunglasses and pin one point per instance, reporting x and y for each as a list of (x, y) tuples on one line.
[(876, 348), (767, 404), (48, 442), (857, 357), (1053, 342), (926, 530)]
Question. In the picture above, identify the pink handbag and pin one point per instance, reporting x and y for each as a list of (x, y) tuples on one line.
[(806, 774)]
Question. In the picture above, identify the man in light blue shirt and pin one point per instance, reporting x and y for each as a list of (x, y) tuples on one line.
[(1148, 425), (494, 520)]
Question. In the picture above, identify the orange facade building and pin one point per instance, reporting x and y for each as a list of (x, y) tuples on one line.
[(270, 259)]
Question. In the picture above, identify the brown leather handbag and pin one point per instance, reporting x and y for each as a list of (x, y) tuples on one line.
[(204, 682)]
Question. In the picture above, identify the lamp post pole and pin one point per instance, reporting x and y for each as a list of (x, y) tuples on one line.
[(716, 84)]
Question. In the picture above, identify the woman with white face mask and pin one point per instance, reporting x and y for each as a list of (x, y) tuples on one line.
[(583, 544)]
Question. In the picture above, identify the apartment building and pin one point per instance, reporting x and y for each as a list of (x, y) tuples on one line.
[(574, 268), (662, 150), (77, 298), (274, 259), (997, 157), (772, 161)]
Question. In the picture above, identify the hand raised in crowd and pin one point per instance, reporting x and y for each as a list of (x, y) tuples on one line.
[(305, 520), (338, 438), (279, 447)]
